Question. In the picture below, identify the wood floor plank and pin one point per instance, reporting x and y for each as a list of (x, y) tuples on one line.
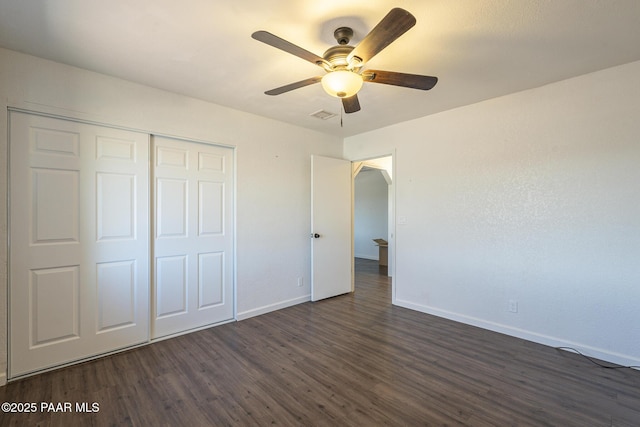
[(353, 360)]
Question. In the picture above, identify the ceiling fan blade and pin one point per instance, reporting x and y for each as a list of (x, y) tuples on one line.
[(414, 81), (282, 44), (396, 23), (351, 104), (292, 86)]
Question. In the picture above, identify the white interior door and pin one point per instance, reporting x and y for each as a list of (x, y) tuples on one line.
[(193, 235), (331, 247), (79, 253)]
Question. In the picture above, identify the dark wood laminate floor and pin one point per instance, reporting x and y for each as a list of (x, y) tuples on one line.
[(353, 360)]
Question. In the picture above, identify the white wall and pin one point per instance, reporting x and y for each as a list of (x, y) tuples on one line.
[(533, 197), (370, 212), (273, 168)]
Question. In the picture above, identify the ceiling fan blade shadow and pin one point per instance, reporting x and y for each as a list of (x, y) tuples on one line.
[(397, 22), (292, 86), (282, 44), (414, 81), (351, 104)]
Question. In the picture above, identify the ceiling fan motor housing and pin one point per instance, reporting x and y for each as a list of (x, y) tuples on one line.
[(337, 56)]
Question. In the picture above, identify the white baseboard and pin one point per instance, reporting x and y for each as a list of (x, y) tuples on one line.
[(271, 307), (597, 353), (363, 256)]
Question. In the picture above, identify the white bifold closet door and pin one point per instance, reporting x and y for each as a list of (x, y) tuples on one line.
[(79, 241), (193, 252)]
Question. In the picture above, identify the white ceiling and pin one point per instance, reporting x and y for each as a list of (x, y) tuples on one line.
[(479, 49)]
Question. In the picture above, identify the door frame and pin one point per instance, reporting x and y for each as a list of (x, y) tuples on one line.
[(391, 237)]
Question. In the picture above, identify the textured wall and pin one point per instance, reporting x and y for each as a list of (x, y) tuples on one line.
[(532, 198)]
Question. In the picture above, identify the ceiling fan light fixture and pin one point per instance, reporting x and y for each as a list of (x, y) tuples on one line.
[(342, 83)]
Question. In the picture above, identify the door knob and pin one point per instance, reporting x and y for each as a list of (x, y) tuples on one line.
[(315, 235)]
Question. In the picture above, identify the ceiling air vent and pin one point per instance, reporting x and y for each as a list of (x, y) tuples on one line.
[(322, 115)]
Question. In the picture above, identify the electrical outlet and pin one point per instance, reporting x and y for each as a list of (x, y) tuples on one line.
[(300, 281), (513, 306)]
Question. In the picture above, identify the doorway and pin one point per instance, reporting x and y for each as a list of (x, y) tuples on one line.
[(373, 231)]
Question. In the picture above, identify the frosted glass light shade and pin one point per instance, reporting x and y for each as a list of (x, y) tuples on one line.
[(342, 84)]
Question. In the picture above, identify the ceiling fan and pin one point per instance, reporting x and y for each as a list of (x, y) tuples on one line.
[(344, 63)]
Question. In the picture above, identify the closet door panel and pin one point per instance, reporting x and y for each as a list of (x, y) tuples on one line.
[(193, 235), (79, 255)]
